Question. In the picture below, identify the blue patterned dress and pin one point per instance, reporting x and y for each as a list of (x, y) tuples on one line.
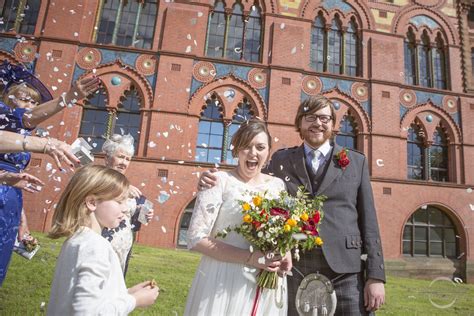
[(11, 199)]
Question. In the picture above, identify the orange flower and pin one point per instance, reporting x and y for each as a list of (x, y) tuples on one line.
[(257, 201), (247, 218), (291, 222), (246, 207)]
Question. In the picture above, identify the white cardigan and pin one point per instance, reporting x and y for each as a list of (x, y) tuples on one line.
[(88, 279)]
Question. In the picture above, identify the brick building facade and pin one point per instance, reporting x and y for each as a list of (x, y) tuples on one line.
[(181, 75)]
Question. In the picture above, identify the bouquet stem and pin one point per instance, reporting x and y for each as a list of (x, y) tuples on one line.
[(267, 280)]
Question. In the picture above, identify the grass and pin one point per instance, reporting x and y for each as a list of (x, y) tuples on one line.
[(28, 283)]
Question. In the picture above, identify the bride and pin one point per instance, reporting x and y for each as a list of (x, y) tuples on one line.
[(225, 281)]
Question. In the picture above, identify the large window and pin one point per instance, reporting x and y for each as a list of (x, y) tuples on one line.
[(214, 135), (347, 137), (429, 232), (235, 36), (126, 22), (425, 61), (427, 162), (99, 122), (19, 16), (333, 50)]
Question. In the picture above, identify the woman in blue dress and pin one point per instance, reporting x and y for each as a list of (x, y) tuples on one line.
[(19, 114)]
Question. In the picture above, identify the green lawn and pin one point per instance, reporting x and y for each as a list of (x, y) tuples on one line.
[(28, 282)]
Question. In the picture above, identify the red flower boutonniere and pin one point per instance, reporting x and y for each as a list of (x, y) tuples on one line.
[(342, 159)]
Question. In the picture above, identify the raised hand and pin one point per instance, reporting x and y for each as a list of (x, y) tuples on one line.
[(82, 88), (22, 181), (60, 151), (207, 180)]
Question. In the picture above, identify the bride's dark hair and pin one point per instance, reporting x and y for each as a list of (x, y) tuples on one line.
[(246, 132)]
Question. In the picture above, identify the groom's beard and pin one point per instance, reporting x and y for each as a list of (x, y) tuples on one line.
[(315, 141)]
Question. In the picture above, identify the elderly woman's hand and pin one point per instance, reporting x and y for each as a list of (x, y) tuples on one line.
[(81, 89), (134, 191), (60, 151), (22, 181)]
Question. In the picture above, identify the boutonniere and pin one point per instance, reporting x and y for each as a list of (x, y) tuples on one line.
[(342, 159)]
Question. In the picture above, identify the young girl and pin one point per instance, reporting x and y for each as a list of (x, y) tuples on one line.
[(88, 279)]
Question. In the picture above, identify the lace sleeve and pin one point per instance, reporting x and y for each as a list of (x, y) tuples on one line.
[(206, 209)]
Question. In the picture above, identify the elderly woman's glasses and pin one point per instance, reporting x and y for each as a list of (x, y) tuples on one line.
[(322, 118)]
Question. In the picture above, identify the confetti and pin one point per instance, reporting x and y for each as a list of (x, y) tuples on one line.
[(282, 26), (49, 166), (151, 144), (163, 229), (379, 162), (293, 50), (165, 134), (163, 197), (469, 190), (188, 49)]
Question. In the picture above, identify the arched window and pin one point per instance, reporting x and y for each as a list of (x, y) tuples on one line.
[(19, 16), (211, 132), (99, 122), (332, 50), (335, 47), (234, 36), (439, 156), (215, 135), (242, 113), (415, 153), (429, 232), (235, 33), (216, 31), (253, 33), (427, 161), (184, 224), (350, 49), (128, 116), (347, 137), (424, 61), (95, 120), (410, 58), (126, 22), (439, 64), (318, 44)]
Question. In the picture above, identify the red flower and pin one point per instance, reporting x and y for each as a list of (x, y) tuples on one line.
[(279, 211), (342, 159), (256, 224), (316, 217)]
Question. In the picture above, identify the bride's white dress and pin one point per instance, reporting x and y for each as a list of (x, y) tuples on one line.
[(223, 288)]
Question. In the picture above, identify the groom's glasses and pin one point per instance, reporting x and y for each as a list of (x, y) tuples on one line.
[(322, 118)]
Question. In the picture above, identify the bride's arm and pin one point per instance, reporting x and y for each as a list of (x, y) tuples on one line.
[(206, 209), (224, 252)]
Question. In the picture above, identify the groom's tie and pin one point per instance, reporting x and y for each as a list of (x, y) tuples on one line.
[(315, 160)]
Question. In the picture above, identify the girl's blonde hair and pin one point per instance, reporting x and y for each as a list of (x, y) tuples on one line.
[(92, 180), (15, 90)]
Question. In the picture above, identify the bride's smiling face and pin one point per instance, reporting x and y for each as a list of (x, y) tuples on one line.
[(253, 157)]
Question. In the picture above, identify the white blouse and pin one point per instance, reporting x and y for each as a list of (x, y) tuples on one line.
[(88, 279)]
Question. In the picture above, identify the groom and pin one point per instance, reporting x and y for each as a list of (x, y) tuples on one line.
[(349, 228)]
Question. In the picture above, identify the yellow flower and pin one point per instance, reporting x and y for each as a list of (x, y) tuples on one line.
[(257, 201), (247, 218), (304, 217), (319, 241), (287, 228), (246, 207), (291, 222)]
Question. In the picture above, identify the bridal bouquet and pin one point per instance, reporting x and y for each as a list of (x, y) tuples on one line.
[(30, 243), (279, 225)]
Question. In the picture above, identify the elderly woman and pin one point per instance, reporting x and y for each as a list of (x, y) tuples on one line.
[(118, 151)]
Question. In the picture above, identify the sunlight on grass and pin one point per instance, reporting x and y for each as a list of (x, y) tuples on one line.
[(28, 283)]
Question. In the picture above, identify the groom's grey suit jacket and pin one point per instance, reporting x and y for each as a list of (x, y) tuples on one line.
[(349, 227)]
